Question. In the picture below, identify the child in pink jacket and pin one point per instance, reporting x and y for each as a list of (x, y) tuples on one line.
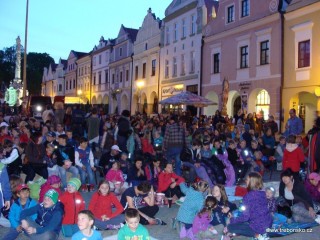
[(115, 178)]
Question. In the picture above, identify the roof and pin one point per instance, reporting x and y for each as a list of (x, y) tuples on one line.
[(64, 62), (296, 4), (132, 33), (79, 54), (53, 66)]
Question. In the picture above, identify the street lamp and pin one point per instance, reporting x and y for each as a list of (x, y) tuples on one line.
[(140, 85), (79, 92)]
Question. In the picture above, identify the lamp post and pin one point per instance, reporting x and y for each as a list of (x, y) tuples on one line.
[(79, 92), (140, 85)]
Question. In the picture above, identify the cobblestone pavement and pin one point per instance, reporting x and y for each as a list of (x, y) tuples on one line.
[(167, 233)]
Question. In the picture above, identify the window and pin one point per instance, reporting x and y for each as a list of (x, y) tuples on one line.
[(304, 54), (94, 61), (146, 46), (136, 73), (106, 72), (192, 62), (184, 33), (127, 75), (175, 35), (245, 8), (85, 70), (99, 59), (166, 74), (60, 87), (112, 78), (264, 52), (120, 52), (74, 83), (107, 56), (193, 24), (153, 67), (230, 14), (66, 85), (99, 78), (263, 103), (121, 76), (79, 73), (94, 79), (244, 57), (216, 63), (167, 35), (144, 68), (174, 67), (183, 65)]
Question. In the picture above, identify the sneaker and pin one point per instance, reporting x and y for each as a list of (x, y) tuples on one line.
[(160, 222), (91, 188), (84, 188), (318, 219), (180, 201), (262, 237)]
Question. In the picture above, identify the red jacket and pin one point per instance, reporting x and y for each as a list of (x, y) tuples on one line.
[(73, 204), (165, 180), (292, 157), (102, 205)]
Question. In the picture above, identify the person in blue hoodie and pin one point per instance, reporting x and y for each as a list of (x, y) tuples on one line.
[(48, 220), (5, 194), (23, 202)]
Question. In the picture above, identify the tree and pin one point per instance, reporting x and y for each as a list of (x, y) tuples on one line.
[(36, 62), (7, 64)]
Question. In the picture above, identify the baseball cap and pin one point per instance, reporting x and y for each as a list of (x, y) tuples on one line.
[(51, 134), (22, 186), (4, 124), (116, 147)]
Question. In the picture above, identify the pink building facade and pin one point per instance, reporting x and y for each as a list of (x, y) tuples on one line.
[(242, 43)]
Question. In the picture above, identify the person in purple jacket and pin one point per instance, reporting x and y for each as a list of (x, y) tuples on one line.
[(255, 218)]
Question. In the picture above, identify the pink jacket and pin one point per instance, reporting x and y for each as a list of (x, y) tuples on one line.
[(114, 175)]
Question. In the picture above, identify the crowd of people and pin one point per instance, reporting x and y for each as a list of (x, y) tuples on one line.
[(134, 163)]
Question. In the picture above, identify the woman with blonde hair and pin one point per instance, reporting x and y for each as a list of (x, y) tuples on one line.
[(255, 217)]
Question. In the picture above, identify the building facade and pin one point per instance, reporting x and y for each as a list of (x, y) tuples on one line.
[(71, 73), (301, 85), (146, 66), (121, 70), (84, 78), (243, 45), (180, 59)]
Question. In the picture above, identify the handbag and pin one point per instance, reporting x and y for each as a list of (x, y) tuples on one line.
[(185, 154)]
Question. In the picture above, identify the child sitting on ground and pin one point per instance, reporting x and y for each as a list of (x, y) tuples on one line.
[(192, 204), (48, 221), (84, 161), (115, 178), (73, 204), (85, 224), (255, 217), (101, 205), (53, 182), (278, 219), (224, 208), (201, 228), (23, 202), (133, 229)]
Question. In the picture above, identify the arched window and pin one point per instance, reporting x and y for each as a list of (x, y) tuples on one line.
[(263, 103)]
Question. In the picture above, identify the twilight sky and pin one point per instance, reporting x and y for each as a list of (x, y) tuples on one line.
[(58, 26)]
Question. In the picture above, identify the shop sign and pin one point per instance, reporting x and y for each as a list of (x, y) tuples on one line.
[(172, 90)]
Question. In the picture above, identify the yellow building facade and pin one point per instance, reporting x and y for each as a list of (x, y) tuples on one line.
[(301, 78)]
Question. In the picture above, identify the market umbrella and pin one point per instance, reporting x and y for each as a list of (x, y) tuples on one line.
[(187, 98)]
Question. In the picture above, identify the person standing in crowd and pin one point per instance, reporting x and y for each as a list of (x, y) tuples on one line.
[(34, 160), (174, 139), (294, 124), (271, 124), (123, 130), (5, 194), (93, 124), (314, 138)]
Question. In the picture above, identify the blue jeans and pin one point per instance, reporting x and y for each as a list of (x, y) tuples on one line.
[(63, 174), (11, 235), (241, 229), (113, 221), (173, 154), (83, 174)]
